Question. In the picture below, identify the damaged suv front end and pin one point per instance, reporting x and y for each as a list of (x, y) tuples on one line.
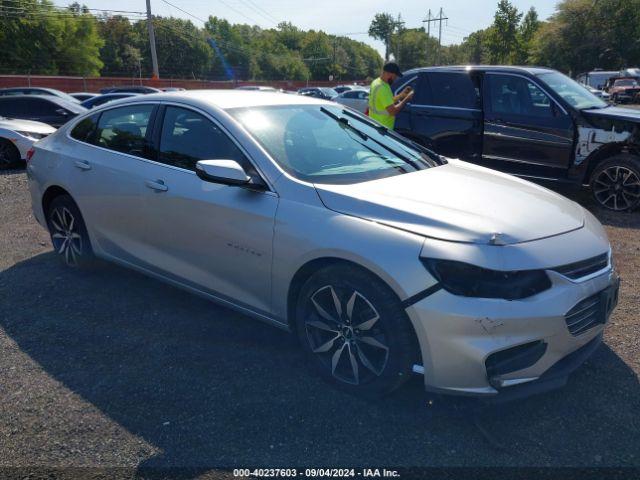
[(607, 144)]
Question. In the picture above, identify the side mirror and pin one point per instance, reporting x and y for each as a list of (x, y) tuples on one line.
[(228, 172), (62, 111)]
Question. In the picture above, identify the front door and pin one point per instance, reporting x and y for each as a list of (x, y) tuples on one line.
[(525, 131), (215, 237)]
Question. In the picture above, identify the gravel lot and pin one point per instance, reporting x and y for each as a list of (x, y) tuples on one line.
[(110, 368)]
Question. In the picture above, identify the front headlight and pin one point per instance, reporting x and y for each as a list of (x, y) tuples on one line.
[(34, 135), (469, 280)]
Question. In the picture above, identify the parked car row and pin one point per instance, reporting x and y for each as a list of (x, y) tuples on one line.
[(28, 114), (617, 86)]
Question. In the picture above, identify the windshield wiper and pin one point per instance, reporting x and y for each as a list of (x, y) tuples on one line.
[(364, 136), (345, 123), (399, 138)]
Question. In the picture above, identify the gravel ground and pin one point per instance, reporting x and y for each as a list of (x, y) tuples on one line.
[(110, 368)]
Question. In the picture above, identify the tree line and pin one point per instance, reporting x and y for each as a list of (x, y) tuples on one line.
[(581, 35), (39, 38)]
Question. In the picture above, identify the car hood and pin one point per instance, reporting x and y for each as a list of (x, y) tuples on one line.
[(26, 125), (614, 113), (458, 202)]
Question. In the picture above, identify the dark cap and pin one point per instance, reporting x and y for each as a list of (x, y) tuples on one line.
[(392, 67)]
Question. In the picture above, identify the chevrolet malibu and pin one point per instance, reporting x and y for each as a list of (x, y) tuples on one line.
[(384, 258)]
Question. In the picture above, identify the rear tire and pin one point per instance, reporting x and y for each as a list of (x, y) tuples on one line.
[(354, 331), (9, 154), (615, 183), (69, 233)]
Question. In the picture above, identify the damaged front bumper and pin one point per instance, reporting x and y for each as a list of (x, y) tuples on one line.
[(509, 349)]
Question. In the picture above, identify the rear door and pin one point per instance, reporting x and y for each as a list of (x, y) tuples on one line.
[(215, 237), (445, 113), (108, 168), (525, 130)]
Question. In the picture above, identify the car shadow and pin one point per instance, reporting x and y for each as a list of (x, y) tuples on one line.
[(212, 388)]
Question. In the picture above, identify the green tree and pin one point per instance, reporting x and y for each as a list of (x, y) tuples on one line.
[(528, 28), (583, 34), (38, 38), (382, 28), (502, 38), (120, 53)]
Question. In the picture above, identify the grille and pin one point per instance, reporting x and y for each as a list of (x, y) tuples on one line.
[(583, 268), (586, 314)]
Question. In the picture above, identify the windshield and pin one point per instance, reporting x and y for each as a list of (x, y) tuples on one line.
[(598, 79), (329, 91), (326, 144), (626, 83), (571, 91)]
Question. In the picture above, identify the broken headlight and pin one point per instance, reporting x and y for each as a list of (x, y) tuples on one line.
[(469, 280)]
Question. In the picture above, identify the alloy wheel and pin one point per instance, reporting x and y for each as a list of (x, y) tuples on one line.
[(344, 331), (66, 238), (617, 188)]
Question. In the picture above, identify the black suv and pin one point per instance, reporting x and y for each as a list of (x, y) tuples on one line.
[(531, 122)]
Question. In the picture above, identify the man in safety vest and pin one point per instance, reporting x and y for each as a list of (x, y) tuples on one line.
[(383, 106)]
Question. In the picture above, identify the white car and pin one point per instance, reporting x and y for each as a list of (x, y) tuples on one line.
[(358, 99), (381, 256), (17, 137)]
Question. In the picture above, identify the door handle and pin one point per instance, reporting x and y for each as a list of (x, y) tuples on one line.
[(82, 165), (158, 185)]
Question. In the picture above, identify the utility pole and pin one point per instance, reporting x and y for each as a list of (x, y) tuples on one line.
[(428, 22), (152, 42), (438, 19)]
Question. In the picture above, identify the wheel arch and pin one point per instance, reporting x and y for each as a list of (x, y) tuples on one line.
[(312, 266), (3, 139), (604, 153), (50, 194)]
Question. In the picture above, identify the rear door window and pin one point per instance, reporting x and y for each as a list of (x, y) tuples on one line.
[(41, 107), (11, 107), (452, 89), (124, 129), (85, 129)]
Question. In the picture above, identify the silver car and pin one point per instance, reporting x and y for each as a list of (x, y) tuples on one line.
[(385, 259), (358, 99)]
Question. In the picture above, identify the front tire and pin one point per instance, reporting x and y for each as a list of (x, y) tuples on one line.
[(615, 183), (354, 331), (68, 232)]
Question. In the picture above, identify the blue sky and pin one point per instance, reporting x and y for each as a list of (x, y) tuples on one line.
[(333, 16)]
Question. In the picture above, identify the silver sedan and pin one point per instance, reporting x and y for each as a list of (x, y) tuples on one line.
[(384, 258)]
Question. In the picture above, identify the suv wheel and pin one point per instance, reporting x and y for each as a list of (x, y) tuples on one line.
[(9, 155), (354, 331), (68, 232), (615, 183)]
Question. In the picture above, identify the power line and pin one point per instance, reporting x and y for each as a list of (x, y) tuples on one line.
[(260, 11), (22, 5), (185, 12), (264, 11)]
